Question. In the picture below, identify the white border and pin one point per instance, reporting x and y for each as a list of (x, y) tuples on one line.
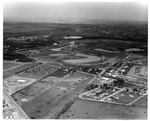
[(3, 2)]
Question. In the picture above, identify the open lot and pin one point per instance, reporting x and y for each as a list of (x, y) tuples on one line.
[(98, 94), (19, 69), (101, 80), (34, 89), (83, 109), (124, 98), (137, 59), (10, 65), (44, 104), (138, 71), (16, 83), (143, 102), (75, 79), (42, 98)]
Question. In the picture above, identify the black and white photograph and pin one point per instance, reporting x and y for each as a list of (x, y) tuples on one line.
[(75, 60)]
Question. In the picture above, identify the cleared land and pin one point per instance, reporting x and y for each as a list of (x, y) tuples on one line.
[(10, 65), (16, 83), (82, 109), (35, 89), (138, 71), (43, 103), (19, 69), (143, 102), (123, 97)]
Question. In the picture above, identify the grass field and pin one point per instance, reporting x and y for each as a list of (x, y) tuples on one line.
[(19, 69), (59, 73), (45, 103), (35, 89), (75, 79), (42, 101), (82, 109), (143, 102), (16, 83), (42, 89), (9, 65), (123, 97), (138, 71)]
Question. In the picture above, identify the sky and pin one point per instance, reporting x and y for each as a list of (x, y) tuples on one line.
[(40, 11)]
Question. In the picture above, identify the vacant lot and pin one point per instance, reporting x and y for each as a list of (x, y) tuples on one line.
[(42, 103), (124, 97), (34, 89), (75, 79), (9, 65), (45, 103), (19, 69), (142, 102), (99, 93), (16, 83), (138, 71), (82, 109)]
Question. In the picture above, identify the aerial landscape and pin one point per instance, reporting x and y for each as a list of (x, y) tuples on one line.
[(75, 69)]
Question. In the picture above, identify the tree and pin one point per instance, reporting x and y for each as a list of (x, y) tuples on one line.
[(135, 90)]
